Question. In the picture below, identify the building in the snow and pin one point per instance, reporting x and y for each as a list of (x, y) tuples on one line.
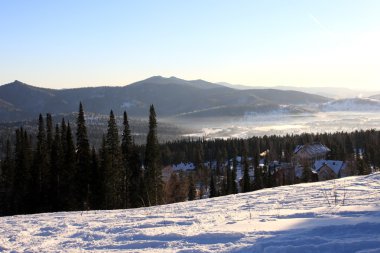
[(306, 155), (328, 169)]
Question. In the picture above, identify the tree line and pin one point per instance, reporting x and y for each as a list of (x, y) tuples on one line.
[(216, 160), (60, 171)]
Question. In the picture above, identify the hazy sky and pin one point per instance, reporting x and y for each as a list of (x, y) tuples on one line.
[(286, 42)]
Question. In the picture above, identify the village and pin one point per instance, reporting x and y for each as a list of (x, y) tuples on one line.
[(309, 163)]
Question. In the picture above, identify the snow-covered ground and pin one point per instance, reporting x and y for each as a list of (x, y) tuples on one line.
[(352, 105), (282, 124), (333, 216)]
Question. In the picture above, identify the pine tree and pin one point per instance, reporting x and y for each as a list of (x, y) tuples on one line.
[(246, 178), (104, 174), (212, 188), (269, 177), (153, 177), (229, 181), (49, 176), (23, 192), (201, 171), (306, 174), (234, 170), (192, 192), (63, 135), (41, 169), (83, 159), (362, 167), (135, 186), (56, 164), (67, 192), (233, 181), (223, 187), (49, 132), (8, 177), (258, 171), (366, 161), (115, 173), (126, 147), (96, 193)]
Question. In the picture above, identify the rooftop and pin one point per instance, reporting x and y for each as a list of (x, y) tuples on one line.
[(311, 149), (336, 166)]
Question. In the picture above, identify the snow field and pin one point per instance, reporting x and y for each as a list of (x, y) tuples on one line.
[(333, 216)]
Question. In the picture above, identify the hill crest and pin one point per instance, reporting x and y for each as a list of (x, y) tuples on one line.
[(171, 96)]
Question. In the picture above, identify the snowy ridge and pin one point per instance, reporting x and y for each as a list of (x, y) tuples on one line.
[(352, 104), (332, 216)]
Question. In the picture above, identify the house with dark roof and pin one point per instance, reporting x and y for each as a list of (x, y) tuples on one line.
[(306, 155)]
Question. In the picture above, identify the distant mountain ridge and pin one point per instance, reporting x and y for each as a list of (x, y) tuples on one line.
[(352, 104), (171, 96), (330, 92)]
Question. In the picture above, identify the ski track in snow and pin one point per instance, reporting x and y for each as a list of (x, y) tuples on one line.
[(333, 216)]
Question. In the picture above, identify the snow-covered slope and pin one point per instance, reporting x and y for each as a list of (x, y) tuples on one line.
[(332, 216)]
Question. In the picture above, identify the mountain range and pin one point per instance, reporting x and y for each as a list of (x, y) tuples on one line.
[(172, 97), (330, 92)]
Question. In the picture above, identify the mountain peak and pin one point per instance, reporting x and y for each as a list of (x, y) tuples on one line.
[(173, 80), (155, 78), (17, 82)]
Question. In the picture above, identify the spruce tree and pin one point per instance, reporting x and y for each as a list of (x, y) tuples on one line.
[(269, 179), (67, 192), (361, 166), (212, 187), (246, 178), (192, 192), (8, 177), (153, 176), (201, 171), (49, 132), (49, 177), (41, 170), (366, 162), (56, 164), (229, 182), (115, 173), (234, 170), (23, 193), (224, 187), (126, 148), (135, 186), (258, 171), (63, 134), (95, 180), (233, 181), (83, 159), (104, 175), (306, 174)]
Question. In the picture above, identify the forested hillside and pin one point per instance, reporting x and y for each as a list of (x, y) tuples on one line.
[(59, 169), (172, 97)]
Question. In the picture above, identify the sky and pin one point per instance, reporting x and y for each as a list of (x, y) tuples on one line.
[(64, 44)]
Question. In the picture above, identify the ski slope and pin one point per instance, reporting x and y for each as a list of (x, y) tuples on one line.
[(333, 216)]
